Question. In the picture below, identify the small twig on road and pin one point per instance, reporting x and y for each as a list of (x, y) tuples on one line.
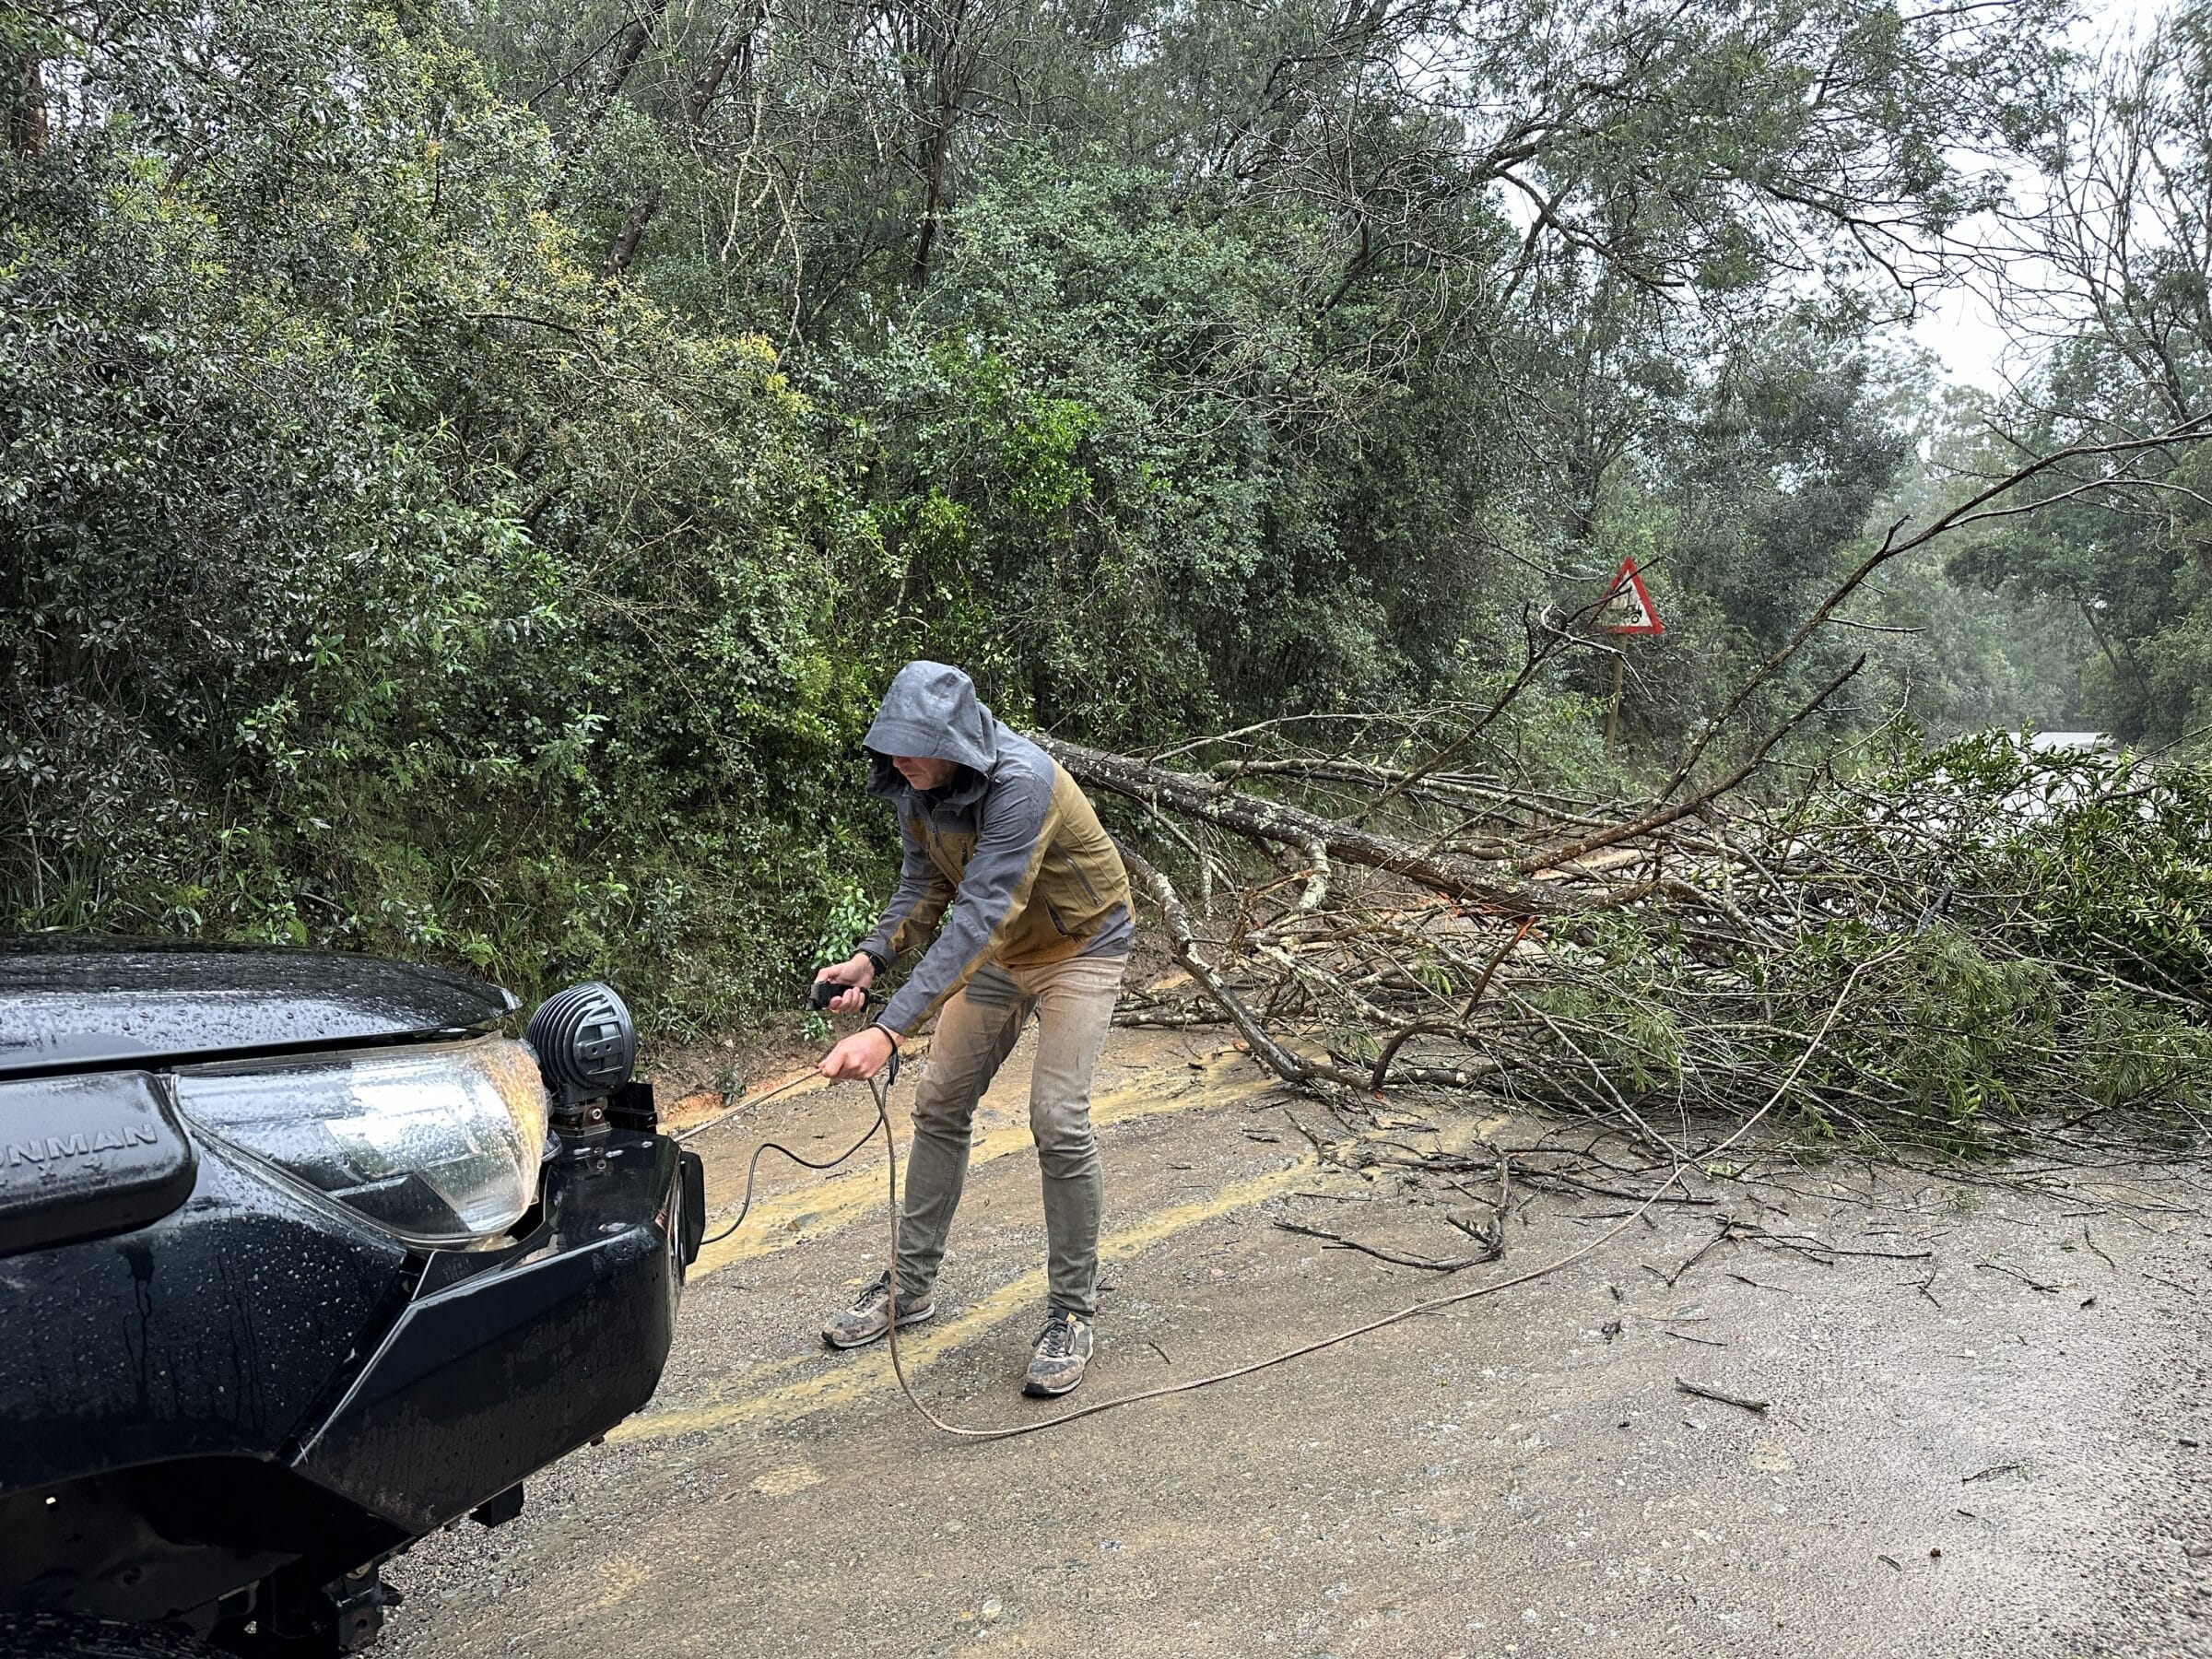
[(1755, 1284), (1701, 1341), (1757, 1408), (1993, 1469), (1383, 1253), (1536, 1178), (2016, 1273), (1727, 1229), (1808, 1245), (1491, 1238)]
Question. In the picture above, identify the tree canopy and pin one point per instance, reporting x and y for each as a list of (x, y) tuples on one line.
[(466, 470)]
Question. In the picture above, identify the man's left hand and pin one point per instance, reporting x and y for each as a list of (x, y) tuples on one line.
[(863, 1055)]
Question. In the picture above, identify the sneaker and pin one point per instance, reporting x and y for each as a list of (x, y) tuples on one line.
[(869, 1317), (1063, 1350)]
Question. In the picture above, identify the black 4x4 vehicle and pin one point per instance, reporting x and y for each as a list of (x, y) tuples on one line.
[(300, 1258)]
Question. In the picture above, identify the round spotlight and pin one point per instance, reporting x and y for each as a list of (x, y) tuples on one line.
[(585, 1042)]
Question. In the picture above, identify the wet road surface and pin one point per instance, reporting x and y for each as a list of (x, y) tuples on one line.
[(1990, 1433)]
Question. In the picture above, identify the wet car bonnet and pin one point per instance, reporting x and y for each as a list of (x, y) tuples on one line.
[(139, 1004)]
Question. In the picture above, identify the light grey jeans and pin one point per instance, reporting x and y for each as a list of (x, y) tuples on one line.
[(1074, 1003)]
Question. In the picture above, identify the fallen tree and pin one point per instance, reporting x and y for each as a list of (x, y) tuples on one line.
[(1944, 947), (2024, 941)]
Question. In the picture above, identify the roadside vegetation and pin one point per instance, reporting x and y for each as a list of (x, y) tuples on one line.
[(466, 472)]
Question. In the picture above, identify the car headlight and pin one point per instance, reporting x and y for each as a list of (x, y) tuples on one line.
[(439, 1144)]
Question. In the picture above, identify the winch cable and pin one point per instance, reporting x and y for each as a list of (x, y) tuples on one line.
[(753, 1169), (889, 1075), (879, 1086), (817, 1002)]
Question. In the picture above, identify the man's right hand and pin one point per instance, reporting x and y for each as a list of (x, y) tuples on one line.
[(858, 972)]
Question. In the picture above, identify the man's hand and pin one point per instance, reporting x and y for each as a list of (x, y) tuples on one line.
[(858, 971), (863, 1055)]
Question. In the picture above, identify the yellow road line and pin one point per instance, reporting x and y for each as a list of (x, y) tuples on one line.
[(779, 1220), (859, 1375)]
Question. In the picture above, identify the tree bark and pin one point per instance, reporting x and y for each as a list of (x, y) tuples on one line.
[(704, 88), (628, 49), (28, 127), (625, 246), (1293, 827)]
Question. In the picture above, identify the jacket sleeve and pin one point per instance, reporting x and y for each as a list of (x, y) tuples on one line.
[(1009, 849), (916, 903)]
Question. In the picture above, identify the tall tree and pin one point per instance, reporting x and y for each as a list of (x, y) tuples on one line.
[(2110, 264)]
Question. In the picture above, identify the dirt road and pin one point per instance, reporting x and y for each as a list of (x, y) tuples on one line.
[(1989, 1433)]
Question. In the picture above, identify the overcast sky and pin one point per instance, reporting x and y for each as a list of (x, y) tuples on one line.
[(1958, 326)]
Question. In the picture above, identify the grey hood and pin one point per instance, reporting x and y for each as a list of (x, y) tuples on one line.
[(932, 711), (979, 854)]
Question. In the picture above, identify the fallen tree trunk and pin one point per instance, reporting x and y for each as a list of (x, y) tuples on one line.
[(1159, 787)]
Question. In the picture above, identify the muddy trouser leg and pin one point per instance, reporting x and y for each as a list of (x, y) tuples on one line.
[(1074, 1006), (975, 1034)]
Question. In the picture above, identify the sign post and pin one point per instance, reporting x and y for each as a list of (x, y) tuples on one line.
[(1627, 609)]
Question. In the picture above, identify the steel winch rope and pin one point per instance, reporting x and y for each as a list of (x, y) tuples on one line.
[(889, 1074), (752, 1170), (879, 1086)]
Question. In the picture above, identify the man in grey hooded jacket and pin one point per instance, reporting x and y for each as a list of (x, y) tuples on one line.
[(995, 831)]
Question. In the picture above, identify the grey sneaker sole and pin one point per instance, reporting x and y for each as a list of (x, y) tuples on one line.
[(914, 1316), (1053, 1390)]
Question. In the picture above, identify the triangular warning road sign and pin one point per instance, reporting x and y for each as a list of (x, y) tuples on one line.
[(1627, 607)]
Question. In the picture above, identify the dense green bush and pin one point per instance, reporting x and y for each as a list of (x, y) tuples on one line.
[(377, 576)]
